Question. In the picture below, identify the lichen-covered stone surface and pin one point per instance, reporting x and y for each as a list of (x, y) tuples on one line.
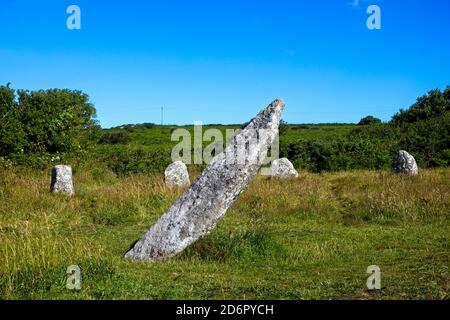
[(177, 175), (62, 180), (196, 213), (283, 169), (404, 163)]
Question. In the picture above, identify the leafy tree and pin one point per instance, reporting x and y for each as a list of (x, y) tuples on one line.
[(429, 140), (7, 100), (447, 93), (368, 120), (431, 105), (12, 136), (283, 127), (50, 121)]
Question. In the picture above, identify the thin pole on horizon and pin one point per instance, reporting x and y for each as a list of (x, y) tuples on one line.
[(162, 115)]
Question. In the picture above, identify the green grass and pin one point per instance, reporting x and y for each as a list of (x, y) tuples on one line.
[(307, 238)]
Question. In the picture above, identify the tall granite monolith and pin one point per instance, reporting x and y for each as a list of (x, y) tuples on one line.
[(196, 213)]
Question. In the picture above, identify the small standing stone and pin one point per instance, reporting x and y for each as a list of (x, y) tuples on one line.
[(62, 180), (177, 175), (283, 169), (404, 163)]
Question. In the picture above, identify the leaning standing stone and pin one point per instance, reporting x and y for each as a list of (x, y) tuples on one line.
[(177, 175), (62, 180), (283, 169), (197, 212), (404, 163)]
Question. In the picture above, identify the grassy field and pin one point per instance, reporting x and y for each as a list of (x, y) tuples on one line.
[(307, 238)]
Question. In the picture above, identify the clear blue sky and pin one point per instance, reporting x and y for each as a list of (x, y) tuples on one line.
[(221, 61)]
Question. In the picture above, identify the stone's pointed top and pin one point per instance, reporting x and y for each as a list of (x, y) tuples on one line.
[(267, 118), (278, 103)]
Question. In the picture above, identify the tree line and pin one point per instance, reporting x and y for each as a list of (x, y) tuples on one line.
[(423, 129), (37, 125)]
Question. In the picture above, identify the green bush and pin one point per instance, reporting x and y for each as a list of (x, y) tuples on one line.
[(337, 155), (45, 122), (12, 135), (124, 160), (431, 105), (368, 121), (115, 137), (429, 139)]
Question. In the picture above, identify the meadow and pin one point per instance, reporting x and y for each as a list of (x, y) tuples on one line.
[(308, 238)]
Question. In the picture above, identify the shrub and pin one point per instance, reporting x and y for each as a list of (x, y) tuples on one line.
[(39, 122), (368, 120), (126, 160), (431, 105), (283, 127), (344, 154), (429, 140), (115, 137), (12, 135)]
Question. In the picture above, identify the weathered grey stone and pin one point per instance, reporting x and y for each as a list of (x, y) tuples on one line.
[(62, 180), (283, 169), (196, 213), (177, 175), (404, 163)]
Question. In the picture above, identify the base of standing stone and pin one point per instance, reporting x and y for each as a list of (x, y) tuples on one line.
[(62, 180)]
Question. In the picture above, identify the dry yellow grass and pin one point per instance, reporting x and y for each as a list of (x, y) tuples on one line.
[(282, 239)]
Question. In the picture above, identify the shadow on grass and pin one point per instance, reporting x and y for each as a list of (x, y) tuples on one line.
[(242, 245)]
